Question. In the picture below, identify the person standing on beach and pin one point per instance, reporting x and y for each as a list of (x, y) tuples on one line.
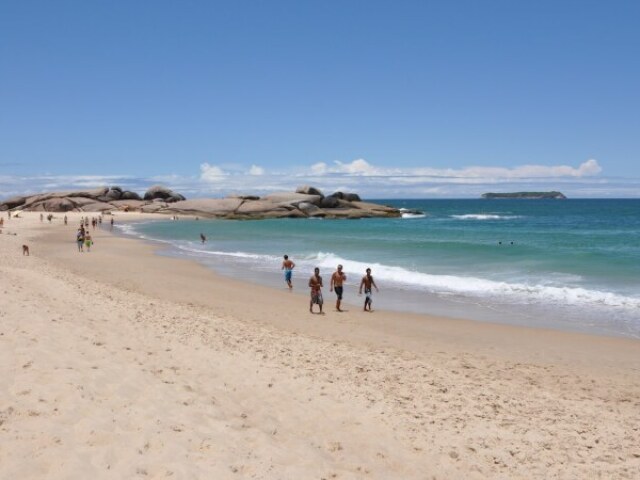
[(65, 219), (88, 241), (337, 279), (288, 266), (111, 223), (80, 238), (367, 282), (315, 283), (203, 238)]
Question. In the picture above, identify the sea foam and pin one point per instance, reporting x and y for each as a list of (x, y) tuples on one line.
[(485, 216), (478, 287)]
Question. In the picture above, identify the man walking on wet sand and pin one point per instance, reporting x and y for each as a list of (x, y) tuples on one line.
[(337, 279), (315, 283), (288, 266), (367, 282)]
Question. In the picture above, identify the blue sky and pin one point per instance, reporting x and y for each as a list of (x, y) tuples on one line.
[(389, 99)]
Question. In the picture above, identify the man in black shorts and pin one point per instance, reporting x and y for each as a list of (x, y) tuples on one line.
[(337, 279)]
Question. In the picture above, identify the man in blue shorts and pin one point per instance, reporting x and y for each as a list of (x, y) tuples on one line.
[(288, 266)]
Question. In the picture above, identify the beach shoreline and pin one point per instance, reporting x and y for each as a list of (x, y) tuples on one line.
[(354, 394), (445, 264)]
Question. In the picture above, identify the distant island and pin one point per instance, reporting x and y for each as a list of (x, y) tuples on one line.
[(526, 195)]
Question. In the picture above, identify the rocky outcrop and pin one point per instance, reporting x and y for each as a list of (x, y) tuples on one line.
[(95, 200), (306, 202)]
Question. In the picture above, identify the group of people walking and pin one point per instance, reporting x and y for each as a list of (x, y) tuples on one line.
[(338, 279), (83, 238)]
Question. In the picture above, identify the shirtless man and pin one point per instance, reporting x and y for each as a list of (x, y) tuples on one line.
[(367, 282), (288, 266), (315, 283), (337, 279)]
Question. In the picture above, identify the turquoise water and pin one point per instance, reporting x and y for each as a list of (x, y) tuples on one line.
[(571, 264)]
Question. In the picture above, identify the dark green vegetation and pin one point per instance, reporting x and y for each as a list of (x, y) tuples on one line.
[(526, 195)]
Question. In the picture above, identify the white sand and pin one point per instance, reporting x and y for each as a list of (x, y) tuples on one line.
[(121, 364)]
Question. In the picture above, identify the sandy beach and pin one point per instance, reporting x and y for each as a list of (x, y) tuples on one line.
[(120, 363)]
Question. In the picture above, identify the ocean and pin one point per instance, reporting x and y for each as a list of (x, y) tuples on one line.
[(563, 264)]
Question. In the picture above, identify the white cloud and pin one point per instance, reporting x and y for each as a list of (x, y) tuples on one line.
[(356, 167), (361, 167), (358, 176), (256, 170), (211, 173), (588, 168), (319, 168)]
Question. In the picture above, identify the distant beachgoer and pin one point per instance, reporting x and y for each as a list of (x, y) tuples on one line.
[(203, 238), (49, 217), (41, 218), (80, 238), (315, 283), (367, 282), (111, 223), (88, 241), (337, 279), (1, 222), (288, 266), (65, 219)]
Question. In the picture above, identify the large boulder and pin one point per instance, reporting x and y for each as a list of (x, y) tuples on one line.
[(128, 195), (176, 197), (58, 205), (308, 190), (12, 202), (330, 202), (244, 197), (311, 210), (128, 204), (36, 200), (349, 197), (293, 199), (80, 202), (158, 191), (114, 193), (95, 193), (376, 210), (97, 207), (263, 209), (153, 207), (205, 207)]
